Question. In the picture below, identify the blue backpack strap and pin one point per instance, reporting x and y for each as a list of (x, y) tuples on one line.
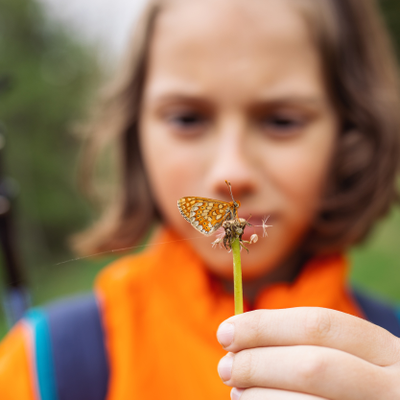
[(42, 357), (71, 360), (379, 313)]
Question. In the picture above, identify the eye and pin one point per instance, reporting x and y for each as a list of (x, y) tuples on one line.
[(281, 125), (278, 122), (187, 122)]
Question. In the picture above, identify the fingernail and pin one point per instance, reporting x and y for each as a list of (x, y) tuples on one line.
[(236, 393), (225, 367), (225, 334)]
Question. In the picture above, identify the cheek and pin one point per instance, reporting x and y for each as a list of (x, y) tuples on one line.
[(172, 167), (301, 173), (298, 171)]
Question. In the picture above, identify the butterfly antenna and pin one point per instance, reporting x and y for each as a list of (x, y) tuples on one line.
[(230, 189)]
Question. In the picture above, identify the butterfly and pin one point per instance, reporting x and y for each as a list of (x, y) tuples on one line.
[(207, 215)]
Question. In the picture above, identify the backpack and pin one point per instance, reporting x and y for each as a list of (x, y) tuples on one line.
[(70, 354), (69, 350)]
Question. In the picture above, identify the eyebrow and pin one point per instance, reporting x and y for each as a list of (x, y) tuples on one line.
[(289, 100), (262, 102), (166, 101), (179, 97)]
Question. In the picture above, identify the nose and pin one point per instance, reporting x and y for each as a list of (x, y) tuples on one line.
[(233, 161)]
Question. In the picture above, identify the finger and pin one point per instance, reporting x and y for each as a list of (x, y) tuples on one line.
[(314, 370), (310, 326), (270, 394)]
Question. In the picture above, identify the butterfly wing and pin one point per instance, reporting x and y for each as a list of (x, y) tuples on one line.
[(204, 214)]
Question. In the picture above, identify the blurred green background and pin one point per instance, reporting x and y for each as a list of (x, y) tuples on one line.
[(47, 80)]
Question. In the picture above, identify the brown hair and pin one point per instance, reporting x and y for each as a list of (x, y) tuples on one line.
[(360, 74)]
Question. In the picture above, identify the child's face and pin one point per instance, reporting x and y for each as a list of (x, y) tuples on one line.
[(235, 91)]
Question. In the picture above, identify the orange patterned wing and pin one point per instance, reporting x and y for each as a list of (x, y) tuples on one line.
[(206, 215)]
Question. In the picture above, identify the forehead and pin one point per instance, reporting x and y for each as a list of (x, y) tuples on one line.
[(217, 17), (212, 42)]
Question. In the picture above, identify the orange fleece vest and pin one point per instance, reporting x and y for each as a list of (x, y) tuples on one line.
[(161, 312)]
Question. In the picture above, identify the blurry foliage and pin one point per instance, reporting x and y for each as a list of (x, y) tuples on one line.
[(50, 76), (46, 80)]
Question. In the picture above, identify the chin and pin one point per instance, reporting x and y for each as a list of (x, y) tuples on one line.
[(220, 262), (260, 261)]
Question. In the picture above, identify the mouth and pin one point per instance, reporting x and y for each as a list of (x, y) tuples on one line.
[(259, 224)]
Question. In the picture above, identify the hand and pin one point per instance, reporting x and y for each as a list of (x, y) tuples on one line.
[(308, 354)]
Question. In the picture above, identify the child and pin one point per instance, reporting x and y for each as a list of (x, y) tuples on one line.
[(295, 103)]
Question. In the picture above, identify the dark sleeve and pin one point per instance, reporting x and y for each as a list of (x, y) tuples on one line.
[(379, 313)]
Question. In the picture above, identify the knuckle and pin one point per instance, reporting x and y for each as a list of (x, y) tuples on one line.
[(257, 326), (253, 394), (318, 324), (391, 385), (395, 387), (395, 347), (311, 368), (243, 368)]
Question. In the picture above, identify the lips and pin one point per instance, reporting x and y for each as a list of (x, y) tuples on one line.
[(256, 221)]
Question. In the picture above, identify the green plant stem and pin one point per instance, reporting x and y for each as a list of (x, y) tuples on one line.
[(237, 276)]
